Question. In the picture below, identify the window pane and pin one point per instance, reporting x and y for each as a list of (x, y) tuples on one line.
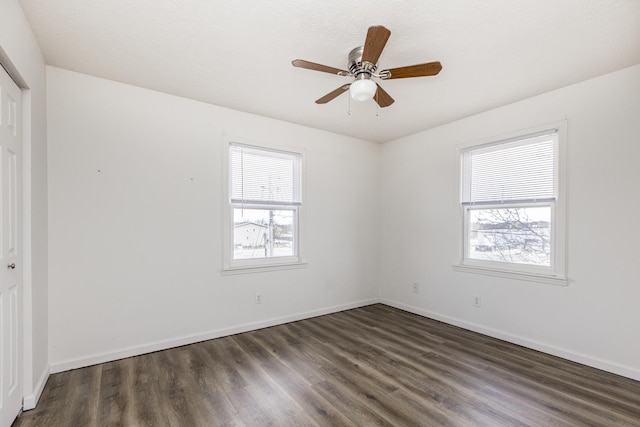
[(520, 235), (263, 233)]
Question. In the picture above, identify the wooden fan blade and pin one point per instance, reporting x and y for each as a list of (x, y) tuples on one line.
[(301, 63), (419, 70), (333, 94), (382, 97), (377, 37)]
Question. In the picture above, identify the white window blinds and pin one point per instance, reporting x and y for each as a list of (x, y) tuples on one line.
[(262, 176), (517, 170)]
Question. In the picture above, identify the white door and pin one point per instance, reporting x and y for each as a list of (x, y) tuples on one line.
[(10, 252)]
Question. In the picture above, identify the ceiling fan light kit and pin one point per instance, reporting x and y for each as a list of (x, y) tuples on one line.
[(362, 64), (363, 89)]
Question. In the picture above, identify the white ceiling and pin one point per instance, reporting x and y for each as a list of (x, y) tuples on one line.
[(237, 54)]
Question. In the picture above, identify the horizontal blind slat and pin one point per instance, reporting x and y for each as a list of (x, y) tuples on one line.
[(264, 176), (520, 169)]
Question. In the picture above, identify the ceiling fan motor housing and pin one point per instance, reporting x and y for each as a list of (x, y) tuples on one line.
[(357, 68)]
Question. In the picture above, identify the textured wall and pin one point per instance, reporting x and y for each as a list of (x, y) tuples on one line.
[(136, 209), (592, 320)]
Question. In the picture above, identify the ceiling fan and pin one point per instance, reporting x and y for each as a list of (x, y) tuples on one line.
[(362, 64)]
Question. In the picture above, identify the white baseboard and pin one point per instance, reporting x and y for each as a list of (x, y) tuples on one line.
[(190, 339), (30, 401), (625, 371), (604, 365)]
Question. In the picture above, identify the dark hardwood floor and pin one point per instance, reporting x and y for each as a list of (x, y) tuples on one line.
[(370, 366)]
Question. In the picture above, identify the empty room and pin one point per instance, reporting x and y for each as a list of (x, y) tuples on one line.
[(306, 213)]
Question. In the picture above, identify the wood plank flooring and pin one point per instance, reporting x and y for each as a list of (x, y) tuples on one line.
[(364, 367)]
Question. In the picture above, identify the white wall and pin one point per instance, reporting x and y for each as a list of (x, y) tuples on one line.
[(135, 242), (595, 319), (135, 222), (20, 54)]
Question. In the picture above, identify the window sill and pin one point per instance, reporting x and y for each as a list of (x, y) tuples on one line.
[(509, 274), (249, 269)]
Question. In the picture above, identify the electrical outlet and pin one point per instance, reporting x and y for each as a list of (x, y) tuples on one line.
[(477, 302), (414, 288), (258, 299)]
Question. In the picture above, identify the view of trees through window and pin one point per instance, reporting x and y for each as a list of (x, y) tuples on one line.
[(519, 235)]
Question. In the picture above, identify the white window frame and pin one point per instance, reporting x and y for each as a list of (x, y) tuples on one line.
[(240, 266), (556, 272)]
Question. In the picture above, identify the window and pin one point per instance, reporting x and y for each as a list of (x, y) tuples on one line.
[(510, 206), (264, 206)]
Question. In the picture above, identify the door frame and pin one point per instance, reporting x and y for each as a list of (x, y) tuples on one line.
[(29, 395)]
